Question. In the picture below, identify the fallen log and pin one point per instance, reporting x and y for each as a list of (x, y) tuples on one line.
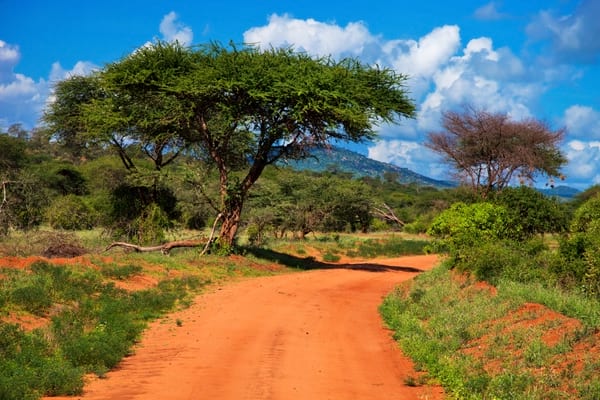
[(163, 248)]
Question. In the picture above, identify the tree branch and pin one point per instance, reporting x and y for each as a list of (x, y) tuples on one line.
[(163, 248)]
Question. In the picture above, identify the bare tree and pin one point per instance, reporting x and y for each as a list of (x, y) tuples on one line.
[(488, 151)]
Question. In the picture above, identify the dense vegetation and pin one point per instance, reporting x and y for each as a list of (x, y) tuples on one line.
[(45, 184), (463, 335)]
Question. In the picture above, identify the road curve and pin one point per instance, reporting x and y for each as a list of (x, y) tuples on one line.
[(313, 335)]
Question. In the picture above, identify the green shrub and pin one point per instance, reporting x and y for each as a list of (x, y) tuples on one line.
[(587, 216), (465, 226), (330, 257), (521, 262), (391, 247), (70, 213)]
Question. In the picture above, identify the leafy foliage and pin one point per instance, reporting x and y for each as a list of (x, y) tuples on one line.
[(532, 212), (464, 226), (70, 212)]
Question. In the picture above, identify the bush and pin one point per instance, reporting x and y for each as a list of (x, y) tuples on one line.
[(518, 262), (587, 216), (533, 212), (70, 213), (463, 226)]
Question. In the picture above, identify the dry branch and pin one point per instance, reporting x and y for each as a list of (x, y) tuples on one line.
[(388, 214), (163, 248)]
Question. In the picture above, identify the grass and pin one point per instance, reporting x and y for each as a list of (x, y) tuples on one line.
[(459, 333), (330, 246), (93, 323)]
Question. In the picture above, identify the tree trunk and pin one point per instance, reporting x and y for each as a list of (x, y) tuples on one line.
[(231, 221)]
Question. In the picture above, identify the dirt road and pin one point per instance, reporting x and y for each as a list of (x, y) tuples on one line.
[(313, 335)]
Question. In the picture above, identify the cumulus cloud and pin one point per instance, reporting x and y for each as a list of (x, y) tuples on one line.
[(583, 157), (81, 68), (411, 155), (175, 31), (572, 37), (314, 37), (9, 53), (422, 57), (21, 97), (583, 122), (486, 77)]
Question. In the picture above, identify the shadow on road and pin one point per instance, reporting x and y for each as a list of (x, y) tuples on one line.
[(308, 263)]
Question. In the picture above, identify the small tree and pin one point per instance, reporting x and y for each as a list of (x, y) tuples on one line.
[(487, 151)]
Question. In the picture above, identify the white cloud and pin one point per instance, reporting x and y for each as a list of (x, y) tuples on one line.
[(21, 97), (421, 58), (583, 122), (173, 30), (411, 155), (8, 53), (489, 12), (314, 37), (572, 37), (584, 157), (81, 68), (21, 87)]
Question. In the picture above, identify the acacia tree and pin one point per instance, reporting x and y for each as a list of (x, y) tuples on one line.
[(243, 108), (489, 150)]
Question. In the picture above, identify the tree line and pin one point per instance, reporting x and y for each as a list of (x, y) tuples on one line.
[(182, 135), (46, 184)]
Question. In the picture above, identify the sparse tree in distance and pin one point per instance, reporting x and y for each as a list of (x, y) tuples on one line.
[(489, 150)]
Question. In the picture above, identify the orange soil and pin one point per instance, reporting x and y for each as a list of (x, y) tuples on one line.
[(309, 335)]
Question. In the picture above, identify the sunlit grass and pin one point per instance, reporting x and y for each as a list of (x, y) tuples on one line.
[(458, 333)]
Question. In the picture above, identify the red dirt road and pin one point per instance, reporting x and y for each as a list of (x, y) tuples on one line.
[(312, 335)]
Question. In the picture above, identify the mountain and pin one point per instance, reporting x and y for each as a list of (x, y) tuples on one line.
[(339, 159), (343, 160), (562, 192)]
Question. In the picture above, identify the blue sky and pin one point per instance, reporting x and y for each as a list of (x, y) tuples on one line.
[(534, 58)]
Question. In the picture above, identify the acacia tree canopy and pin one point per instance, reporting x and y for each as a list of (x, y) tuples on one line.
[(488, 150), (242, 108)]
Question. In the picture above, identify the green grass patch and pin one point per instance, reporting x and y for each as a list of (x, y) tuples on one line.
[(394, 246), (453, 330), (93, 324), (121, 272)]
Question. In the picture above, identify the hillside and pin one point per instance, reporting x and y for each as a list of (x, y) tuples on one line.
[(339, 159)]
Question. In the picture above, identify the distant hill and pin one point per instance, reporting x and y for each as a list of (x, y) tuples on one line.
[(339, 159), (343, 160), (563, 192)]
